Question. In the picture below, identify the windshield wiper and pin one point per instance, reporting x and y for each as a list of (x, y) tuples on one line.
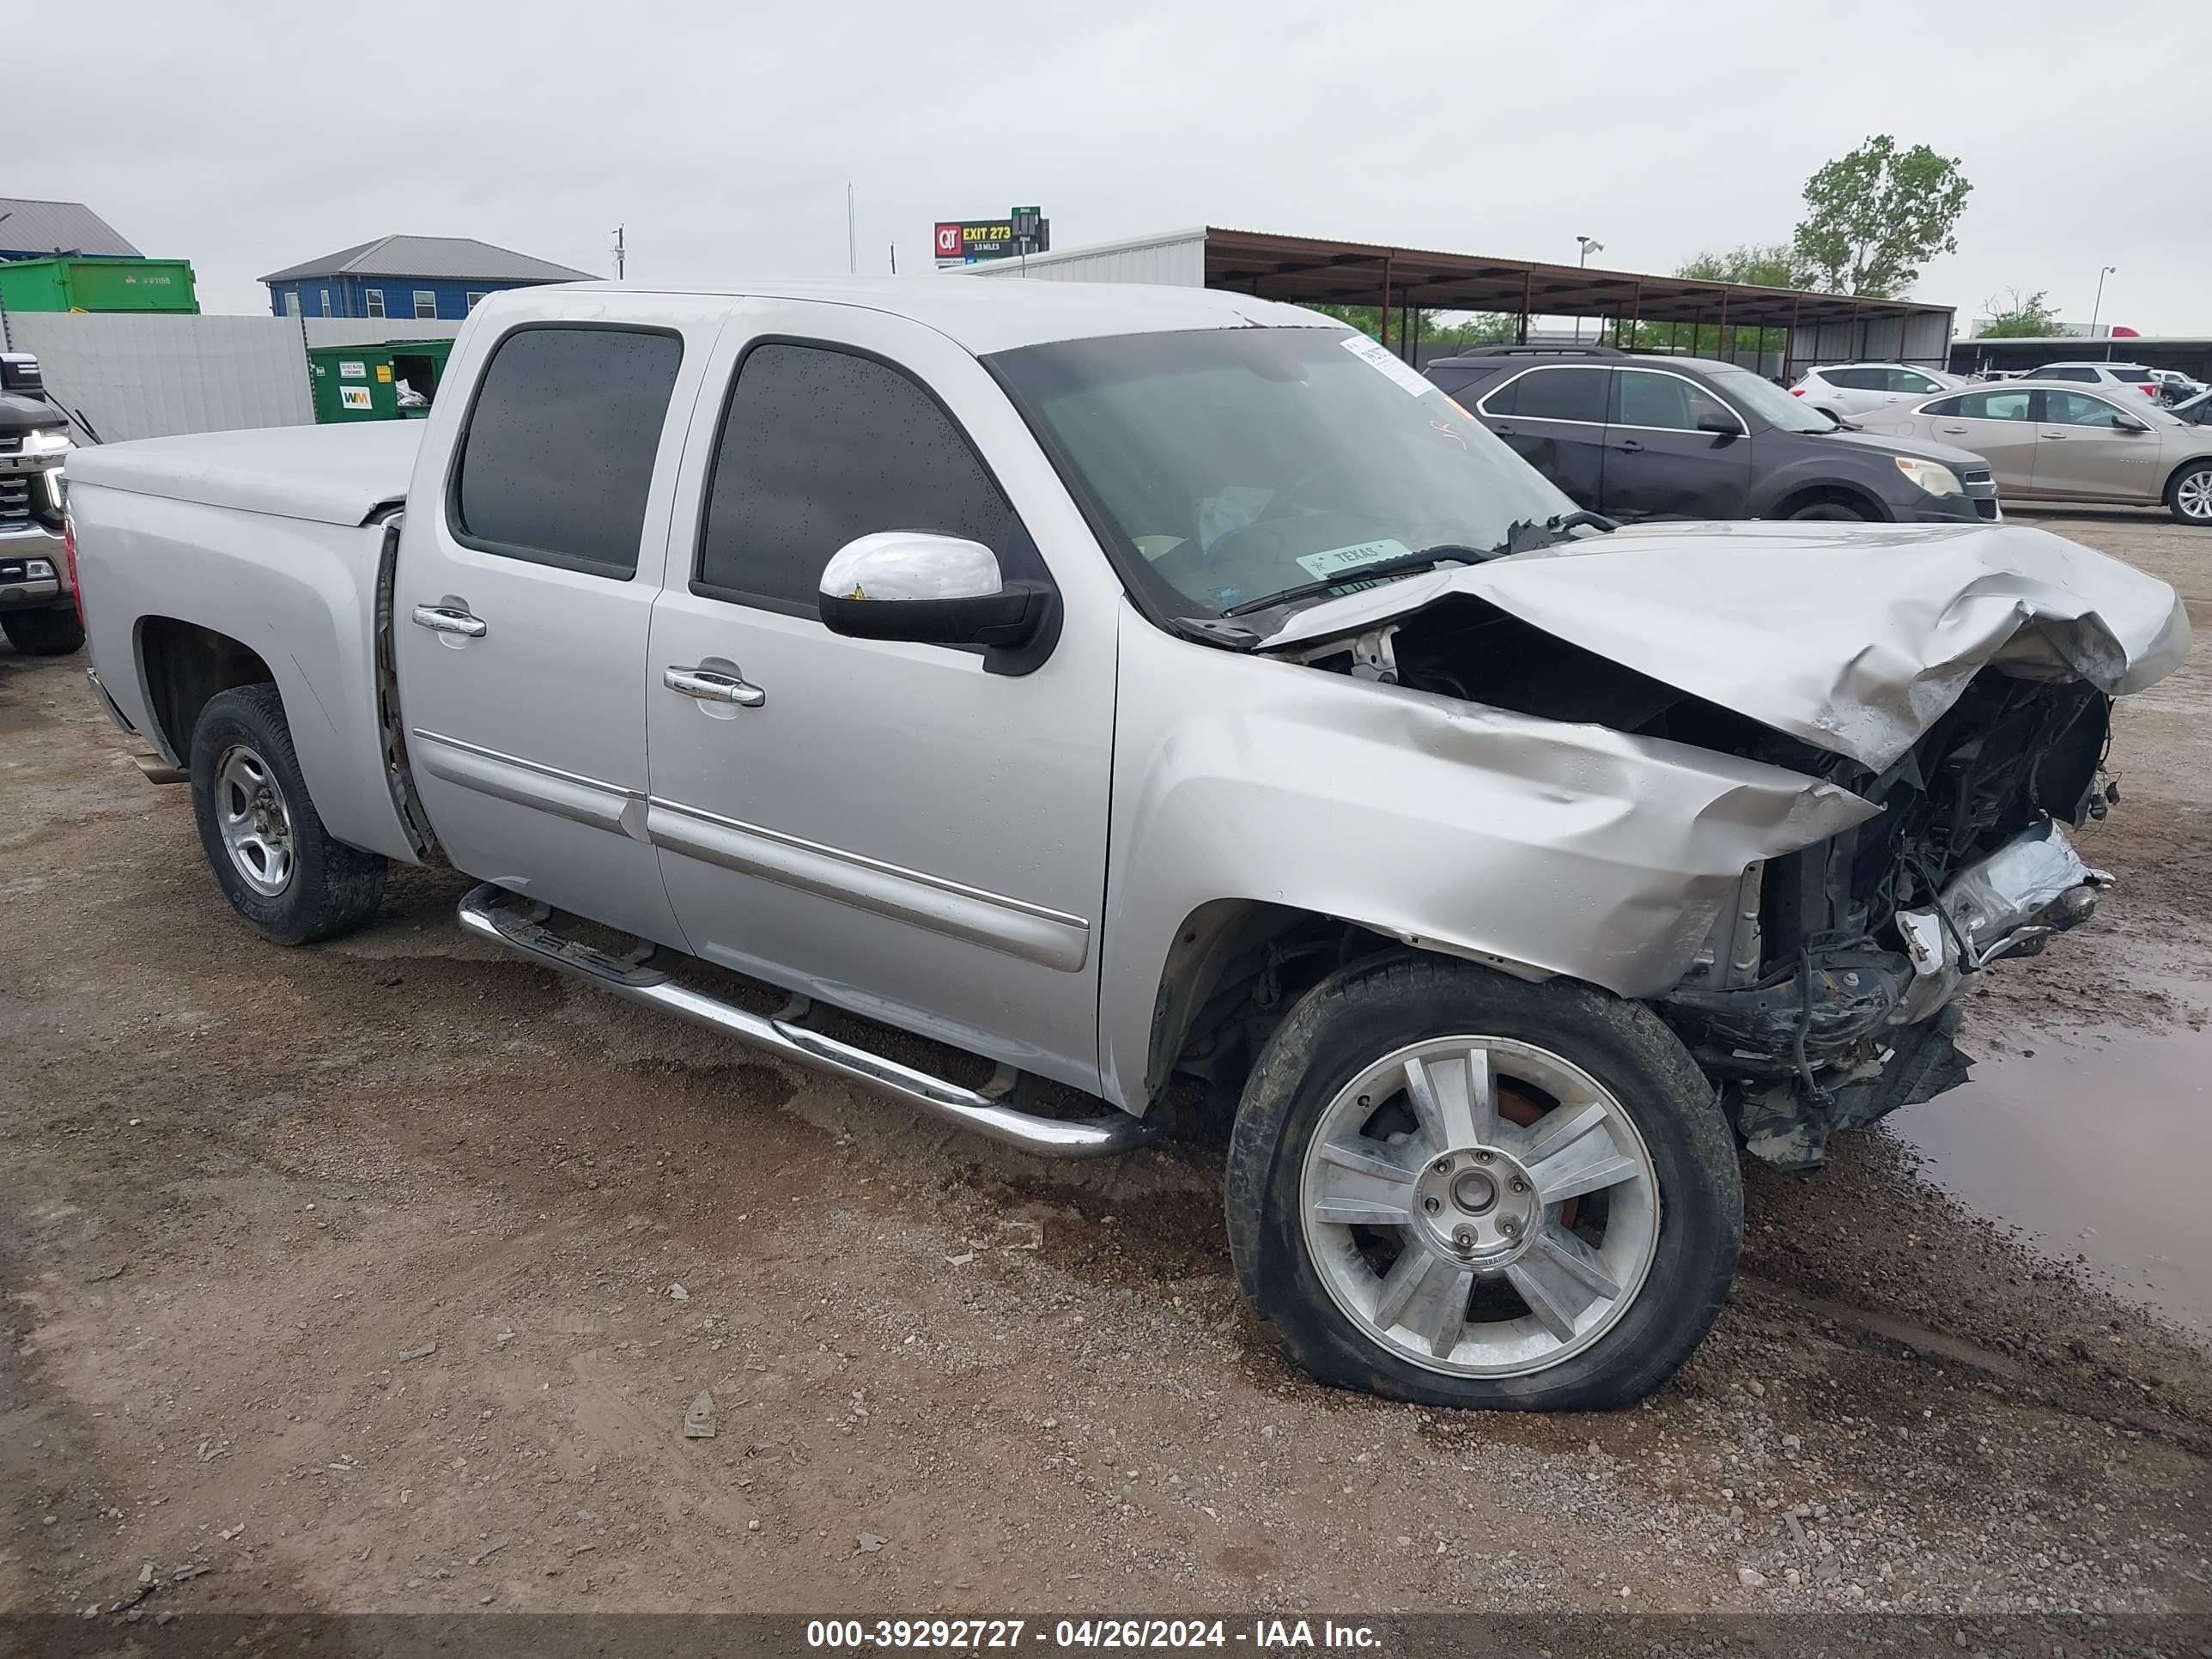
[(1404, 564), (1526, 536)]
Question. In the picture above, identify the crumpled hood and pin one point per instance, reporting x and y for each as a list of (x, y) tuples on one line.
[(1855, 638)]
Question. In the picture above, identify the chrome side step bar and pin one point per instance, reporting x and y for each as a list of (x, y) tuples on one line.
[(491, 912)]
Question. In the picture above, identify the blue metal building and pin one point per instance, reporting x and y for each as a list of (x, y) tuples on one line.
[(409, 277)]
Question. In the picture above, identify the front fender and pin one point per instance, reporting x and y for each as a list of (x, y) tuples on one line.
[(1542, 846)]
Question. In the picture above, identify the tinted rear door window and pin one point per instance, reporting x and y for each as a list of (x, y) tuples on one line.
[(819, 447), (1561, 394), (557, 458)]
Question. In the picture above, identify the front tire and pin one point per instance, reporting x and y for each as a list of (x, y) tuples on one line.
[(1452, 1186), (277, 865), (2188, 496), (54, 632), (1837, 510)]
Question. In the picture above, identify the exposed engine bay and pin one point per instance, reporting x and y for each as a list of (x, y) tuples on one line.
[(1822, 998)]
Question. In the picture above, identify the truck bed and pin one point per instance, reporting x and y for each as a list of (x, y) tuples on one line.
[(325, 474)]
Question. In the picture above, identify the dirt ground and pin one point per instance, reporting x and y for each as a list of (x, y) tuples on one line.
[(379, 1276)]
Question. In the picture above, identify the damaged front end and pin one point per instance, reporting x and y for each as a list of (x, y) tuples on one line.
[(1824, 1000), (1960, 686)]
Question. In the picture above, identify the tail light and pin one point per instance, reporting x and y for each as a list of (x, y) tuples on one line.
[(69, 559), (1796, 391)]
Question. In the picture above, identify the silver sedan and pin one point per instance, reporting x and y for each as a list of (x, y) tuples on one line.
[(2070, 443)]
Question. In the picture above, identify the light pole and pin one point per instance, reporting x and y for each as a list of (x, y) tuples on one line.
[(1590, 245), (2107, 271)]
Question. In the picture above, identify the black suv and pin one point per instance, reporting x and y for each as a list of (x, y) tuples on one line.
[(1637, 436)]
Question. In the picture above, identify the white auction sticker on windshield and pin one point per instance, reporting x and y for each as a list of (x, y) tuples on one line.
[(1378, 356), (1320, 565)]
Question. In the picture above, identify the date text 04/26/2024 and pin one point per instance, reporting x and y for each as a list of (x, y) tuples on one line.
[(1324, 1635)]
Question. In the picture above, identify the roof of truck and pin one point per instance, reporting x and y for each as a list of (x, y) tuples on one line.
[(986, 317)]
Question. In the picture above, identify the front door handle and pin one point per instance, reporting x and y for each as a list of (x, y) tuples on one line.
[(450, 619), (710, 686), (1630, 446)]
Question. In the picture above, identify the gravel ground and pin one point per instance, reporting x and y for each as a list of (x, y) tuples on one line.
[(381, 1276)]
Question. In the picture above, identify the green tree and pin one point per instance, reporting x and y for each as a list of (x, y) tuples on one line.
[(1877, 215), (1768, 265), (1472, 328), (2022, 317)]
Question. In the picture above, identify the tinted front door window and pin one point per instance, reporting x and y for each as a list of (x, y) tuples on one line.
[(1644, 398), (2076, 409), (819, 447)]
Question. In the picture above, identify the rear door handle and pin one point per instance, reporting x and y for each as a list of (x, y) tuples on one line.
[(1951, 429), (450, 619), (710, 686)]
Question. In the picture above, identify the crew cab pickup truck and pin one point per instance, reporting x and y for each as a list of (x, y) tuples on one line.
[(1170, 696)]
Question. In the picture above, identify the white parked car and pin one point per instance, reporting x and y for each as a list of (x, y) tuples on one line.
[(2105, 377), (1848, 390)]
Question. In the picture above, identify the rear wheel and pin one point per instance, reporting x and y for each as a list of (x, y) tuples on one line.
[(54, 632), (2188, 497), (276, 863), (1455, 1188)]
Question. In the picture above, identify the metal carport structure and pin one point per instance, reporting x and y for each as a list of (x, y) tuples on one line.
[(1307, 270)]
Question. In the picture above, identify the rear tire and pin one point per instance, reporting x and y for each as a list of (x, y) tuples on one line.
[(1331, 1294), (280, 869), (54, 632), (2189, 495)]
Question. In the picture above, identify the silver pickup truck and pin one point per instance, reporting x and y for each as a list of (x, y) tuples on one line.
[(1165, 696)]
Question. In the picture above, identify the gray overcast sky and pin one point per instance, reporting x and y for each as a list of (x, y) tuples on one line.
[(246, 137)]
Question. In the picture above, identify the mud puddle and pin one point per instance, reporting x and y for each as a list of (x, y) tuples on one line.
[(2099, 1149)]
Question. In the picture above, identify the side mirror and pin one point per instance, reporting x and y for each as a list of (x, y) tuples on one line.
[(937, 590), (1718, 421), (2126, 425)]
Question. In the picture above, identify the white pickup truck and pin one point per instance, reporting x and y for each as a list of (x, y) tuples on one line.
[(1121, 686)]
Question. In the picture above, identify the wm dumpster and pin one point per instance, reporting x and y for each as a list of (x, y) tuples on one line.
[(380, 382)]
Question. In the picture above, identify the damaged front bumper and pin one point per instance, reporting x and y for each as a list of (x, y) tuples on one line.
[(2008, 904), (1851, 1032)]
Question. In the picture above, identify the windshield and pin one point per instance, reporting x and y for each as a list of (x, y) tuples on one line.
[(1766, 400), (1231, 464)]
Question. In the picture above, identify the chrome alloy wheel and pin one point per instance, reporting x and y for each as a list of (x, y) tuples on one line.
[(256, 825), (1479, 1204), (2193, 496)]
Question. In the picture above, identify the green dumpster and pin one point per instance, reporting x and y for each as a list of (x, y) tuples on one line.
[(71, 282), (363, 382)]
